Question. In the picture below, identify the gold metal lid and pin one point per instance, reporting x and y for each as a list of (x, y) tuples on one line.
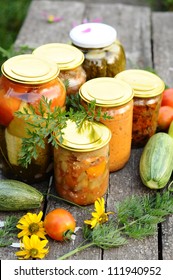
[(144, 83), (88, 137), (108, 92), (28, 69), (66, 56)]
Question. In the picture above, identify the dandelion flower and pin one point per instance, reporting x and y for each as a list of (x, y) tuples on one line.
[(32, 248), (31, 224), (99, 216)]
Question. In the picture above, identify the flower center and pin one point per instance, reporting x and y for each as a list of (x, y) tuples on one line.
[(33, 252), (33, 228), (103, 218)]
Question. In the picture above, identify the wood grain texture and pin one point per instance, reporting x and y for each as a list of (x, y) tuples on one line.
[(144, 36)]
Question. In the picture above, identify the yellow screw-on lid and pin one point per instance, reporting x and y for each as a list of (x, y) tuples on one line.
[(87, 137), (144, 83), (66, 56), (107, 92), (28, 69)]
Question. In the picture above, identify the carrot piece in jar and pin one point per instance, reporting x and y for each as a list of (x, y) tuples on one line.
[(97, 168)]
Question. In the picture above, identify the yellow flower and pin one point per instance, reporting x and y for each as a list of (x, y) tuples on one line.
[(99, 216), (32, 247), (31, 224)]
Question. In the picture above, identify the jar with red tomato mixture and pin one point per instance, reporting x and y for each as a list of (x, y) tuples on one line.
[(69, 60), (104, 53), (25, 79), (81, 162), (148, 89), (115, 99)]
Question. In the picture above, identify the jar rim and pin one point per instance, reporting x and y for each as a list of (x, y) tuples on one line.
[(90, 136), (106, 91), (28, 69), (64, 55), (144, 83)]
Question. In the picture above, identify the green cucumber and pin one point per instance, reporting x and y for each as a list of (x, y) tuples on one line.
[(156, 162), (16, 195)]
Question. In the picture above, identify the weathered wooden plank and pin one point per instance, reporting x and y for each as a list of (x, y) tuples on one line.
[(134, 31), (162, 45), (163, 63), (36, 30), (124, 183)]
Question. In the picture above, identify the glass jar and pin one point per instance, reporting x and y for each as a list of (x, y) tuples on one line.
[(81, 162), (104, 55), (69, 60), (114, 98), (148, 89), (25, 79)]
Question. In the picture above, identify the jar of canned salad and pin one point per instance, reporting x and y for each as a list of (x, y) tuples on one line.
[(148, 89), (69, 60), (25, 79), (115, 98), (104, 54), (81, 162)]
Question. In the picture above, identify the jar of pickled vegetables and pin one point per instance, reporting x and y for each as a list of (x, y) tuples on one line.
[(81, 162), (148, 89), (25, 79), (115, 99), (69, 60), (104, 54)]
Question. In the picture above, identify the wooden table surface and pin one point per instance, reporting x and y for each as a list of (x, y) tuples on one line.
[(147, 38)]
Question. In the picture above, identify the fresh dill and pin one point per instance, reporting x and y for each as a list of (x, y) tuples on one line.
[(46, 125), (136, 217), (8, 231)]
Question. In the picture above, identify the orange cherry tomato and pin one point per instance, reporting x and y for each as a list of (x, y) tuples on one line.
[(59, 224), (165, 117), (8, 105), (167, 99)]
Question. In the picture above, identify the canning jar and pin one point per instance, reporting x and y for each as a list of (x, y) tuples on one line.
[(104, 54), (81, 162), (69, 60), (148, 89), (25, 79), (115, 99)]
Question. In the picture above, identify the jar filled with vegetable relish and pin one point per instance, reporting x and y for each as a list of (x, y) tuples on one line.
[(148, 89), (104, 54), (115, 99), (69, 60), (25, 79), (81, 162)]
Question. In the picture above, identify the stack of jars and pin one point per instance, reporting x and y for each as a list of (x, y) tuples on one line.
[(93, 67)]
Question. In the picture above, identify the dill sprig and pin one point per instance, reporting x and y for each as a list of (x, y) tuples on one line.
[(46, 125), (8, 231), (136, 217)]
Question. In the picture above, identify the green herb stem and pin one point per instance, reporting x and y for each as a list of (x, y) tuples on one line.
[(65, 200), (76, 250)]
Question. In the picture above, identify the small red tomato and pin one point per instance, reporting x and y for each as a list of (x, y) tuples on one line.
[(167, 99), (165, 117), (59, 224)]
